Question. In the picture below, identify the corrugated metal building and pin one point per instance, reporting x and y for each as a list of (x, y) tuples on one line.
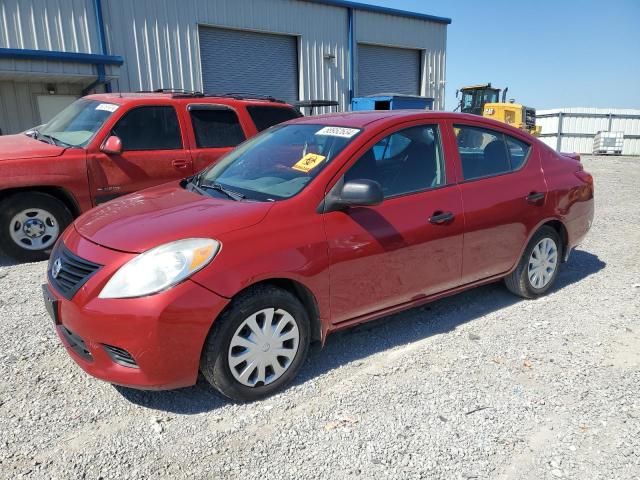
[(573, 129), (52, 51)]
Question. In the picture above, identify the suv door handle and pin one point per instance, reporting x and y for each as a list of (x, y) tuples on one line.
[(180, 163), (441, 218), (535, 197)]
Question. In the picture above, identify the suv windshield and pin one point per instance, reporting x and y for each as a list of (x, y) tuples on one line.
[(77, 124), (278, 163)]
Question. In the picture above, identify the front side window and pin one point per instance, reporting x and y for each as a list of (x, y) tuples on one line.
[(280, 162), (485, 153), (264, 116), (149, 128), (77, 124), (216, 127), (407, 161)]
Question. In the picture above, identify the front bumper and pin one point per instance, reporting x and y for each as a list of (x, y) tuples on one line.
[(163, 333)]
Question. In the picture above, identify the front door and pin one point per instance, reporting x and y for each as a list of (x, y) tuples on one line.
[(409, 246), (152, 153), (503, 190)]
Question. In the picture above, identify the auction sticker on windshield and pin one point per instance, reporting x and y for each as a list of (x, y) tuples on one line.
[(107, 107), (308, 162), (338, 132)]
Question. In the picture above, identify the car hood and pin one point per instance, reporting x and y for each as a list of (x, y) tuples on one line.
[(143, 220), (20, 146)]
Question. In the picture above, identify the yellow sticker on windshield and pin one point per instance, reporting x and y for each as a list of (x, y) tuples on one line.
[(308, 162)]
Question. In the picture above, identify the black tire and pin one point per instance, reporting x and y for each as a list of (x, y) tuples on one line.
[(518, 281), (18, 202), (214, 363)]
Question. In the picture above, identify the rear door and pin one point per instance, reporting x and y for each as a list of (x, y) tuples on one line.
[(503, 192), (409, 246), (216, 130), (153, 152)]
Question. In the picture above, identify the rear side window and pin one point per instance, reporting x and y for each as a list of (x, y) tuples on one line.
[(265, 117), (518, 152), (485, 153), (149, 128), (216, 127)]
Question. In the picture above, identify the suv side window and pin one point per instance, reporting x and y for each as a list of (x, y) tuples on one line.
[(216, 127), (404, 162), (264, 117), (149, 128), (485, 153)]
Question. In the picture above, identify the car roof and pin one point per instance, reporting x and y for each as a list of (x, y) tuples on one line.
[(362, 119), (127, 97)]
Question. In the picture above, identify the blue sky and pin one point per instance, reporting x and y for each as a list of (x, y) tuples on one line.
[(562, 53)]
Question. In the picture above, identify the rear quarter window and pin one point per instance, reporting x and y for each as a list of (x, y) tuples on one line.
[(265, 116)]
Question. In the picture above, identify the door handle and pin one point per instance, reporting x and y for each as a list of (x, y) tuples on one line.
[(535, 197), (180, 163), (441, 218)]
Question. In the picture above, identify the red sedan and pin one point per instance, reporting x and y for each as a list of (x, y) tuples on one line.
[(311, 227)]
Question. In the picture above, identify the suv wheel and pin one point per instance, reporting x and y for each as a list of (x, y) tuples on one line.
[(257, 345), (30, 223), (538, 268)]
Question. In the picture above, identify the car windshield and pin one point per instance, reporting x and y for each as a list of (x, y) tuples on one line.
[(76, 125), (278, 163)]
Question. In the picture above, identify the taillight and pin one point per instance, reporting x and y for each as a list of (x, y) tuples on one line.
[(585, 192), (585, 176)]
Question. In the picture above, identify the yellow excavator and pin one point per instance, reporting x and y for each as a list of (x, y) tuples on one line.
[(484, 100)]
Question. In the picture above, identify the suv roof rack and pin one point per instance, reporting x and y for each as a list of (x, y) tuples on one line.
[(247, 96), (182, 93), (174, 91)]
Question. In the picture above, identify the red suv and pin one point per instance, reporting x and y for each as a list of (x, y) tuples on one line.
[(313, 226), (104, 146)]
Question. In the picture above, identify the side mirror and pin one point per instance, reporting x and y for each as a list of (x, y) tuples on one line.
[(112, 146), (355, 193)]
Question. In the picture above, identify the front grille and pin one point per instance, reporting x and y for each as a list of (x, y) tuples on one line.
[(120, 356), (72, 272), (76, 343)]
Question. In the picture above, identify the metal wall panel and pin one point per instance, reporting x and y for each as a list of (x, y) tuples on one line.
[(159, 41), (249, 62), (388, 70), (58, 25), (429, 37), (579, 126)]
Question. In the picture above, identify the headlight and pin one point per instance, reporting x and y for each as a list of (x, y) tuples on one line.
[(160, 268)]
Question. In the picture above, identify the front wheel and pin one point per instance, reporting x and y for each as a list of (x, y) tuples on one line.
[(30, 223), (538, 268), (258, 344)]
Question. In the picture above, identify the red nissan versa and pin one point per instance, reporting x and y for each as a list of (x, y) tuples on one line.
[(314, 225)]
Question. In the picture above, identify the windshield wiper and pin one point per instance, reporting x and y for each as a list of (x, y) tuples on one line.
[(54, 140), (237, 196)]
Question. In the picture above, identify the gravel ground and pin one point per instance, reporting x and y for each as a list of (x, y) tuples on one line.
[(480, 385)]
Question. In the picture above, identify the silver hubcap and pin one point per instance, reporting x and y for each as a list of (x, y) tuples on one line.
[(34, 229), (263, 347), (543, 263)]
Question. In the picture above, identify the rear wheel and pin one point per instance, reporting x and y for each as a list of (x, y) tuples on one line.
[(257, 345), (538, 268), (30, 223)]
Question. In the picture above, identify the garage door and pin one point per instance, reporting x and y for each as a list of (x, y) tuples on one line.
[(388, 70), (249, 62)]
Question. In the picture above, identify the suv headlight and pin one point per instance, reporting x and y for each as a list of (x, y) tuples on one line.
[(160, 268)]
